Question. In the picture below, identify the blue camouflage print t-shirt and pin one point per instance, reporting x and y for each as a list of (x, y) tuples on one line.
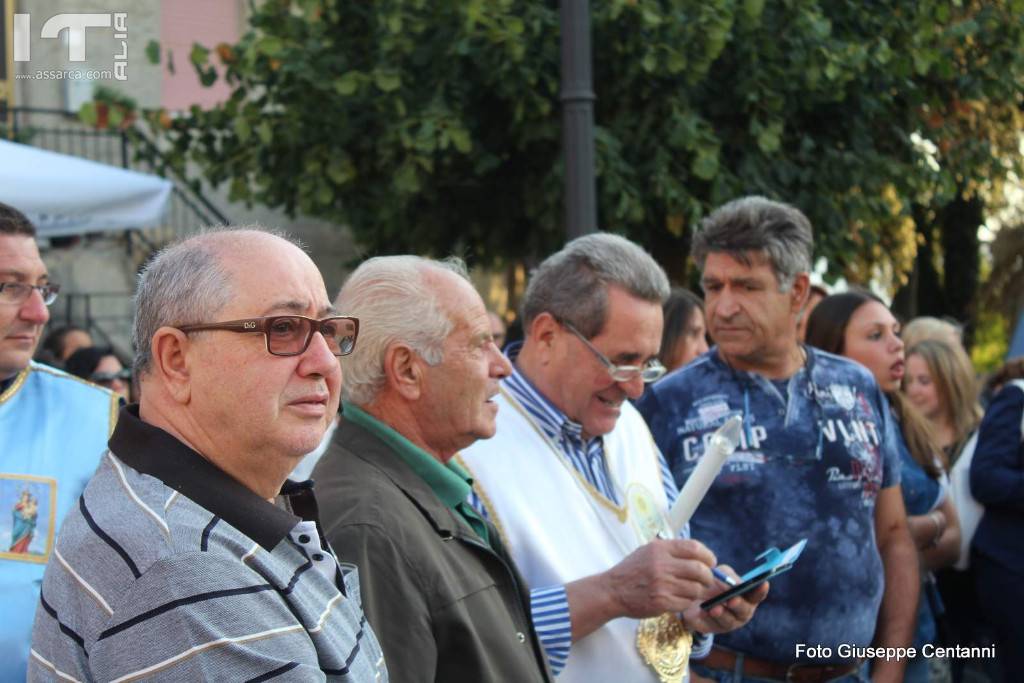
[(816, 450)]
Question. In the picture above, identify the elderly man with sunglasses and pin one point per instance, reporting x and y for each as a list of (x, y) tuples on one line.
[(53, 429), (576, 486), (189, 556)]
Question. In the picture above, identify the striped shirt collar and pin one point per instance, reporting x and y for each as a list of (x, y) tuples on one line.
[(152, 451), (546, 414)]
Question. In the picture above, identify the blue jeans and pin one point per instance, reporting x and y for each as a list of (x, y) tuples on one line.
[(917, 670), (860, 676)]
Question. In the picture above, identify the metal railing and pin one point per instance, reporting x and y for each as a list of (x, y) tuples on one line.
[(108, 314)]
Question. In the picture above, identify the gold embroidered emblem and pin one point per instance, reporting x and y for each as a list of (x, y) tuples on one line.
[(665, 645), (663, 642)]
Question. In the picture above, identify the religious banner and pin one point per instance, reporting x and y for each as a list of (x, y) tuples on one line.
[(27, 517)]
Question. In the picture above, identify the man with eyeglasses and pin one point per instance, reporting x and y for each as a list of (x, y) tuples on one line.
[(189, 555), (818, 460), (53, 429), (576, 486)]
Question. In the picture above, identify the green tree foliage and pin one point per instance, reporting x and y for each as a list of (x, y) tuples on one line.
[(434, 125), (1004, 289)]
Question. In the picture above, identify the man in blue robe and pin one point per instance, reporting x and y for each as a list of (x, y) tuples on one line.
[(53, 430)]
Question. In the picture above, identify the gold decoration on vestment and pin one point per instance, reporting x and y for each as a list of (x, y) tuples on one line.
[(665, 644)]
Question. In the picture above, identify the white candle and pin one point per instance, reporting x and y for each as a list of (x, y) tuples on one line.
[(721, 446)]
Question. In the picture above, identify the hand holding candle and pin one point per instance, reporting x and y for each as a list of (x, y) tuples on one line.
[(721, 446)]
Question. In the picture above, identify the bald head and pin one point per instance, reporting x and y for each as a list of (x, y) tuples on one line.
[(220, 389), (242, 245), (191, 280)]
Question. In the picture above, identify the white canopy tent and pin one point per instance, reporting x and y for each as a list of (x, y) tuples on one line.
[(65, 195)]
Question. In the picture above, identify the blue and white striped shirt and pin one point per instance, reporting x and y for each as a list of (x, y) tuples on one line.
[(549, 605)]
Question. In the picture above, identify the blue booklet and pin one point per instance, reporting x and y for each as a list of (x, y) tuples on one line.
[(775, 563)]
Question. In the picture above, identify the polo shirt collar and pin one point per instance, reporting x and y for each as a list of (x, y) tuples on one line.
[(153, 451), (449, 482)]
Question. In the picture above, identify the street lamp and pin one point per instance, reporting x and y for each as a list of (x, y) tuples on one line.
[(577, 97)]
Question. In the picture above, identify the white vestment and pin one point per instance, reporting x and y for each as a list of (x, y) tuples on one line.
[(559, 528)]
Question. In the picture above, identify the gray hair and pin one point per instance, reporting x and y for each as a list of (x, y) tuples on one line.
[(778, 231), (572, 284), (395, 303), (185, 283)]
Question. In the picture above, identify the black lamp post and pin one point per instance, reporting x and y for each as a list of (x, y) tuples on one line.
[(578, 119)]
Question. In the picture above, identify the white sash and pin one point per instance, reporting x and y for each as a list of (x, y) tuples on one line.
[(558, 528)]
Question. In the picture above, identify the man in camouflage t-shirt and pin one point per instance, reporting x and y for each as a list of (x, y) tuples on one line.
[(818, 460)]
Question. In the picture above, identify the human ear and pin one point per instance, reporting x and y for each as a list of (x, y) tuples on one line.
[(403, 368), (543, 332), (799, 292), (169, 350)]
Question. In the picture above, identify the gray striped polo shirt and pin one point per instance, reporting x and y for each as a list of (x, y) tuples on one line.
[(170, 569)]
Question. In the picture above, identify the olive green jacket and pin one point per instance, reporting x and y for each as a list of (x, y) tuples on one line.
[(444, 604)]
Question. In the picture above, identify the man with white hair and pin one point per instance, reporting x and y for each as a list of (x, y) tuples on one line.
[(176, 563), (437, 583), (577, 487)]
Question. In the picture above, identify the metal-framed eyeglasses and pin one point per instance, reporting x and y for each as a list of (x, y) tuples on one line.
[(648, 372), (290, 335), (19, 292)]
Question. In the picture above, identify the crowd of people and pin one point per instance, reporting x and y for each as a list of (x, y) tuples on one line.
[(285, 487)]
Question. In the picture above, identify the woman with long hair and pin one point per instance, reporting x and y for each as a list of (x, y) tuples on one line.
[(859, 326), (684, 334), (940, 382)]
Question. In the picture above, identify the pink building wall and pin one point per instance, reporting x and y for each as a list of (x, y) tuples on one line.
[(183, 23)]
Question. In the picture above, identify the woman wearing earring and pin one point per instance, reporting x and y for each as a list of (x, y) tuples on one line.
[(859, 326)]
